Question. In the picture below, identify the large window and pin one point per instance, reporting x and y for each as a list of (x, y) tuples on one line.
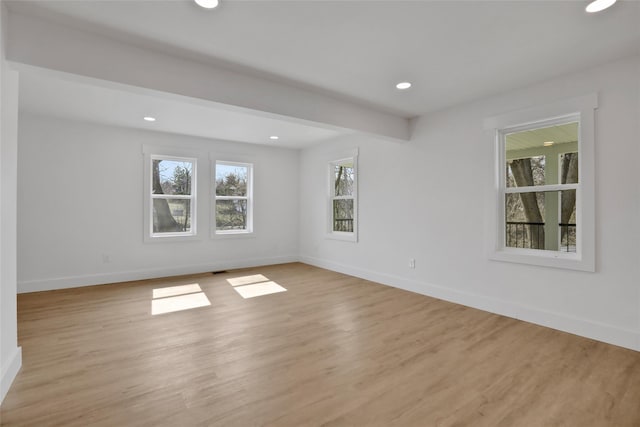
[(233, 198), (172, 189), (343, 206), (540, 187), (544, 181)]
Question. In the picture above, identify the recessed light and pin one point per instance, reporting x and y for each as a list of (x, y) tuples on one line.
[(150, 119), (403, 85), (599, 5), (274, 137), (548, 143), (207, 4)]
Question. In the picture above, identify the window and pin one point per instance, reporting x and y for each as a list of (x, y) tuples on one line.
[(343, 205), (233, 198), (172, 201), (544, 181), (540, 186)]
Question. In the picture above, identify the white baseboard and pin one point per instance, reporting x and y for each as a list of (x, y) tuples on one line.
[(125, 276), (586, 328), (9, 371)]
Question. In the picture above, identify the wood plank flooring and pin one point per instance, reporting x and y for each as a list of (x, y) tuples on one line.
[(332, 350)]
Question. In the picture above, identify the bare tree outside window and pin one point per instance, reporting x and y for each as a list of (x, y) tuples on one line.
[(233, 191), (172, 195), (343, 181), (526, 208)]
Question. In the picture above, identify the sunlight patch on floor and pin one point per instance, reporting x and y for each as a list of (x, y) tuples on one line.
[(255, 285), (259, 289), (178, 298), (176, 290), (247, 280)]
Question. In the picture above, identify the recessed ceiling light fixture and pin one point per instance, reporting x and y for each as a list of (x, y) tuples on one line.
[(207, 4), (149, 119), (274, 137), (548, 143), (403, 85), (599, 5)]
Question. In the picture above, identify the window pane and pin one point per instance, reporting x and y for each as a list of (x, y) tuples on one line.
[(526, 172), (171, 177), (231, 180), (525, 227), (541, 220), (568, 221), (532, 154), (343, 215), (343, 178), (171, 215), (231, 214), (568, 168)]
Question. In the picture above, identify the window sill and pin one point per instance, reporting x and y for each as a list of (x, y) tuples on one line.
[(172, 238), (345, 237), (563, 260), (234, 235)]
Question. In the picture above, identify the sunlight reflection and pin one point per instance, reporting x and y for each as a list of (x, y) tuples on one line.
[(179, 303), (247, 280), (176, 290), (259, 289)]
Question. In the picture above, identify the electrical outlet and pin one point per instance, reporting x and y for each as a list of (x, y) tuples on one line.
[(412, 263)]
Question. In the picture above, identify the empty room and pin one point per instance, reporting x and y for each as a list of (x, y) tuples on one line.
[(320, 213)]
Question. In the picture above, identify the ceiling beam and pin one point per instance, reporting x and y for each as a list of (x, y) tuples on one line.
[(42, 43)]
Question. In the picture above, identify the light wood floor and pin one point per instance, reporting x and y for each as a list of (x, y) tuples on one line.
[(332, 350)]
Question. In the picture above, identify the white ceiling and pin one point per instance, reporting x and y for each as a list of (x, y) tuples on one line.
[(452, 51), (41, 93)]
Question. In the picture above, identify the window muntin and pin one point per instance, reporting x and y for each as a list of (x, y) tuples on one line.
[(343, 198), (172, 196), (233, 198), (540, 189)]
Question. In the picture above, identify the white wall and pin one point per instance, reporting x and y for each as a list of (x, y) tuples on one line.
[(81, 197), (10, 354), (427, 199)]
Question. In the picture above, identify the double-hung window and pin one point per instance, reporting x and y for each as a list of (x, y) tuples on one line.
[(233, 202), (541, 185), (172, 196), (544, 187), (343, 198)]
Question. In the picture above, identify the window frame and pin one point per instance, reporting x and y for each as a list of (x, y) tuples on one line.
[(350, 236), (151, 154), (579, 109), (249, 231)]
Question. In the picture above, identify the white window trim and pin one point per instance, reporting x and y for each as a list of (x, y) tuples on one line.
[(149, 154), (582, 108), (342, 235), (237, 161)]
